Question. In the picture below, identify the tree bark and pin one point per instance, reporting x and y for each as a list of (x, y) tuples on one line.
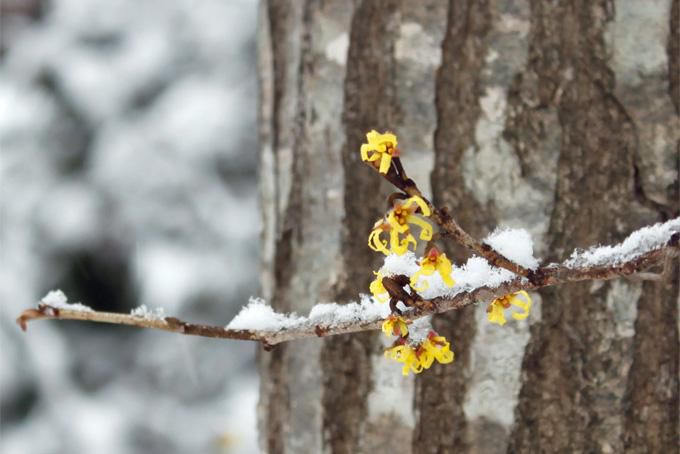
[(559, 117)]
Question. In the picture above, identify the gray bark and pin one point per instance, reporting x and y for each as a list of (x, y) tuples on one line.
[(559, 117)]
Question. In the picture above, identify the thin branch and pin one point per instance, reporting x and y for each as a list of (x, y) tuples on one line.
[(398, 178), (526, 280), (547, 276)]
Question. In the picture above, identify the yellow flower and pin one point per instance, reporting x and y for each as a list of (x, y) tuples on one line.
[(438, 348), (377, 289), (419, 358), (433, 261), (403, 214), (395, 326), (398, 243), (404, 353), (397, 225), (380, 150), (495, 311)]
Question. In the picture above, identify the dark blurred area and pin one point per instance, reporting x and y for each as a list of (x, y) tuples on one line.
[(128, 150)]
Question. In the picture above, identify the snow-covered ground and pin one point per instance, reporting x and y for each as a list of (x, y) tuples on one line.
[(127, 177)]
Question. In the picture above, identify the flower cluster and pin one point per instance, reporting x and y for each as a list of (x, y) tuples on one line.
[(393, 234)]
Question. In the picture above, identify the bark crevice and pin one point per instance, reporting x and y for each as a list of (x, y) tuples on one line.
[(442, 427), (369, 103)]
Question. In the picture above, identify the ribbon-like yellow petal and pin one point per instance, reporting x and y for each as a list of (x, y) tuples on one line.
[(388, 137), (375, 243), (426, 269), (414, 282), (420, 202), (395, 326), (385, 161), (426, 354), (365, 150), (400, 245), (445, 355), (445, 269), (524, 305), (495, 314), (378, 290), (425, 227)]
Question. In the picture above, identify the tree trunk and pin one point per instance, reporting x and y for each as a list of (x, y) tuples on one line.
[(559, 117)]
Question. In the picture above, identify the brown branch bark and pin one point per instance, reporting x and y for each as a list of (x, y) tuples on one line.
[(397, 176), (544, 277)]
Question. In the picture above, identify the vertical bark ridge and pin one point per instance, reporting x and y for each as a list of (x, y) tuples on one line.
[(418, 55), (652, 399), (574, 363), (273, 404), (439, 394), (369, 103), (652, 416), (283, 20), (579, 356), (673, 50)]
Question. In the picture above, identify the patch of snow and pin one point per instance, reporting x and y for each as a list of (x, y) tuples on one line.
[(639, 242), (392, 393), (260, 316), (621, 301), (336, 50), (143, 311), (417, 45), (329, 314), (643, 52), (496, 355), (477, 272), (514, 244), (57, 299), (419, 329), (400, 264)]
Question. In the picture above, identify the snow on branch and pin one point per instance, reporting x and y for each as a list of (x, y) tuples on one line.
[(477, 280)]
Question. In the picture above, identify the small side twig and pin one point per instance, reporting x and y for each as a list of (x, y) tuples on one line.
[(451, 227)]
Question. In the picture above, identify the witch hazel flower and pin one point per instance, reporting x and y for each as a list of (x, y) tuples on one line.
[(397, 226), (496, 310), (393, 234), (434, 261), (420, 357), (395, 326), (398, 242), (380, 150)]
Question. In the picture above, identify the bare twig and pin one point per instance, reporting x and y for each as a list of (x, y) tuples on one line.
[(451, 227), (548, 276)]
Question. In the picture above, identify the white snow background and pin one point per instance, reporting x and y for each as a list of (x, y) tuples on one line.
[(127, 178)]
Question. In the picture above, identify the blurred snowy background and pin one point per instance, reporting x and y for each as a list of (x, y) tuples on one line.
[(127, 177)]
